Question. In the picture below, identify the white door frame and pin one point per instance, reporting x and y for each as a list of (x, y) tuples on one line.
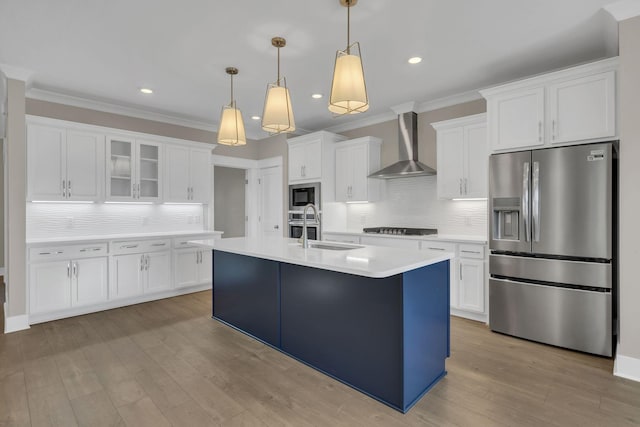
[(252, 195)]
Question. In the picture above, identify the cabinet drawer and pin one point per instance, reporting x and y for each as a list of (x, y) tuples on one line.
[(438, 246), (136, 246), (471, 251), (343, 238), (67, 251), (183, 242), (390, 242)]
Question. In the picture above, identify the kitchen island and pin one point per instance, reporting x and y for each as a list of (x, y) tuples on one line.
[(375, 318)]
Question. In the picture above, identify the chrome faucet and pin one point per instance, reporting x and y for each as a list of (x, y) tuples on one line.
[(305, 240)]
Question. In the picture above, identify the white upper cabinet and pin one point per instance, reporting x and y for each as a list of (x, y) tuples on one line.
[(463, 157), (517, 119), (311, 159), (134, 170), (64, 164), (583, 108), (188, 174), (570, 106), (355, 160)]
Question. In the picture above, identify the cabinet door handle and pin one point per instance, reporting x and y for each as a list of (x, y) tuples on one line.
[(69, 269), (553, 130), (200, 257), (466, 191), (540, 131), (75, 269), (147, 263), (138, 191), (68, 188), (64, 189), (141, 262)]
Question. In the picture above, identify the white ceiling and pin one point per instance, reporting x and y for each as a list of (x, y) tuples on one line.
[(107, 50)]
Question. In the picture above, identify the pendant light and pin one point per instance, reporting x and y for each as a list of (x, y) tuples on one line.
[(277, 116), (231, 129), (348, 90)]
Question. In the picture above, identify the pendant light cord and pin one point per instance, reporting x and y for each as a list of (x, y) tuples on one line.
[(278, 81), (231, 103), (348, 27)]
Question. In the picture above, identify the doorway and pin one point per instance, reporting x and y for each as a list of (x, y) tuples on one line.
[(230, 201)]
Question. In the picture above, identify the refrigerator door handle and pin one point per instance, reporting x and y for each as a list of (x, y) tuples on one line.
[(535, 225), (525, 202)]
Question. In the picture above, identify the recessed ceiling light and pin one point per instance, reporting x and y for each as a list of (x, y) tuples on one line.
[(146, 90), (415, 60), (255, 117), (316, 96)]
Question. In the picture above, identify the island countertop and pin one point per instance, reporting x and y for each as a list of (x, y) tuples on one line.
[(363, 260)]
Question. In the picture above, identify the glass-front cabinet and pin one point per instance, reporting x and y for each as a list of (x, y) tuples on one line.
[(134, 169)]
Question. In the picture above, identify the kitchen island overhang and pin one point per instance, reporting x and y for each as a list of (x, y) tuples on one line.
[(376, 319)]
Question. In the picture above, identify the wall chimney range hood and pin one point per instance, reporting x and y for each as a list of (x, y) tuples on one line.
[(408, 165)]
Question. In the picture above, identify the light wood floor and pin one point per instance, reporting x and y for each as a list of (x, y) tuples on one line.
[(168, 363)]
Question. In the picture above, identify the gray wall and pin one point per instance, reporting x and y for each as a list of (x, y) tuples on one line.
[(2, 203), (229, 201), (16, 200), (629, 92)]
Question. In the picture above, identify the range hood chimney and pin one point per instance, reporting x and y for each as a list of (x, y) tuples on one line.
[(408, 165)]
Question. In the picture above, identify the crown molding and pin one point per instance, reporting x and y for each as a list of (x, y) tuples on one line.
[(367, 121), (123, 110), (623, 9), (448, 101), (404, 108), (17, 73)]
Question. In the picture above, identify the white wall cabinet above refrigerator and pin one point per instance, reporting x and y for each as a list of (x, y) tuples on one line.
[(135, 170), (188, 175), (463, 157), (64, 164), (355, 160), (574, 105)]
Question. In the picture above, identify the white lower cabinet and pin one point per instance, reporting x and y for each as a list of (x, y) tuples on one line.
[(157, 271), (59, 285), (126, 275), (192, 267)]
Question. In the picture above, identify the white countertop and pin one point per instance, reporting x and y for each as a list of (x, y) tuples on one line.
[(460, 238), (102, 237), (369, 261)]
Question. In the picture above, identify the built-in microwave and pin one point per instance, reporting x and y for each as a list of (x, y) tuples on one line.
[(301, 195)]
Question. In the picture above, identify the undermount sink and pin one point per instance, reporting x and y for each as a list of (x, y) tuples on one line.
[(332, 247)]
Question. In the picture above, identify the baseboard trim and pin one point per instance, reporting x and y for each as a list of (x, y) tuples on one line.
[(627, 367), (468, 315), (15, 323)]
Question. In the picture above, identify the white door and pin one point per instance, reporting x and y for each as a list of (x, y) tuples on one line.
[(476, 161), (343, 174), (271, 199), (583, 108), (517, 119), (50, 286), (46, 163), (177, 174), (313, 160), (297, 158), (158, 272), (186, 265), (149, 167), (85, 160), (201, 175), (450, 148), (359, 160), (205, 268), (120, 168), (89, 281), (127, 275), (471, 290)]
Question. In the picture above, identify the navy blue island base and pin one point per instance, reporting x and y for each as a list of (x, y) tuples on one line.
[(386, 337)]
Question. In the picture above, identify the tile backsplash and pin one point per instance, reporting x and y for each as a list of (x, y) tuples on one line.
[(47, 220), (412, 202)]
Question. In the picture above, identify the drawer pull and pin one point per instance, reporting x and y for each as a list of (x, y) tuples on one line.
[(128, 246), (436, 249), (158, 244), (90, 249), (470, 252), (51, 253)]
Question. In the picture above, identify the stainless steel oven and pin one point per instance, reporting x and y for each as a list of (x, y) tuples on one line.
[(313, 230), (301, 195)]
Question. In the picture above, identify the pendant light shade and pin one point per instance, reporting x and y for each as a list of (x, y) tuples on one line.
[(348, 89), (231, 129), (277, 116)]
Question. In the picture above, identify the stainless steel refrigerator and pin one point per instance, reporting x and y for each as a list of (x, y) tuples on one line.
[(553, 242)]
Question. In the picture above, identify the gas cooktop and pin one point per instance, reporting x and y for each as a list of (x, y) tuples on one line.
[(401, 231)]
